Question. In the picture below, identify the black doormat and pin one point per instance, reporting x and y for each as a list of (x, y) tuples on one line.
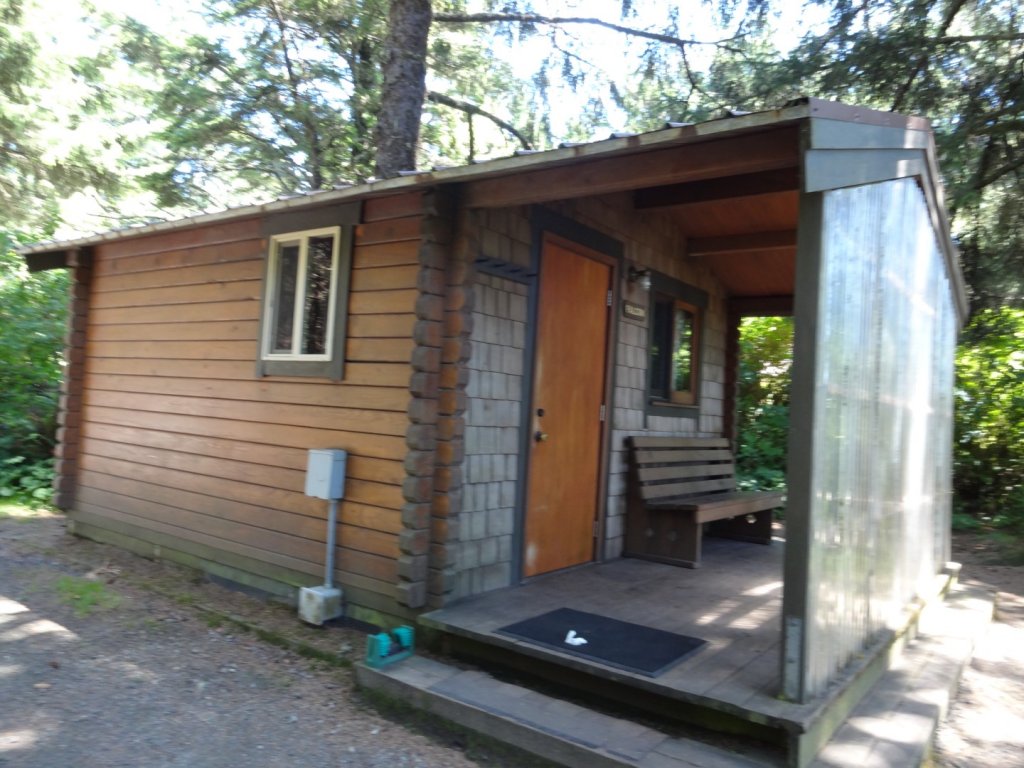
[(616, 643)]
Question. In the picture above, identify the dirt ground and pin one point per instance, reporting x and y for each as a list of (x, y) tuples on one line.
[(108, 660), (134, 672)]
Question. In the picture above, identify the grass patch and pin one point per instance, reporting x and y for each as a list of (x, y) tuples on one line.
[(86, 596), (1008, 548), (966, 522)]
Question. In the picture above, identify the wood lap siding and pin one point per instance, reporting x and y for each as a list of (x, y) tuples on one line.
[(181, 438)]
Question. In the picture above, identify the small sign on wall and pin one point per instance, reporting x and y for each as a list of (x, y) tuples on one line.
[(634, 311)]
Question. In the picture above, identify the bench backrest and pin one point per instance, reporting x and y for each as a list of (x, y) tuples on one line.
[(670, 467)]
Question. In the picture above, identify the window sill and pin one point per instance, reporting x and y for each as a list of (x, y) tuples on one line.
[(311, 369), (667, 408)]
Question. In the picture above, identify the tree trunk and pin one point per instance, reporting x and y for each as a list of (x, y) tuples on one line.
[(404, 85)]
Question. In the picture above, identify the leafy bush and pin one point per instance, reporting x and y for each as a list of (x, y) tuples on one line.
[(26, 479), (32, 321), (988, 452), (766, 355)]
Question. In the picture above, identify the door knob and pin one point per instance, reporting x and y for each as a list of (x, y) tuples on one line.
[(539, 436)]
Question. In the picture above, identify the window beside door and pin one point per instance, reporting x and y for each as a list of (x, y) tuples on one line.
[(674, 345)]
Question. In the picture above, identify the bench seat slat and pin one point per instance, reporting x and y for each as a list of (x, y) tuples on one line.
[(717, 506)]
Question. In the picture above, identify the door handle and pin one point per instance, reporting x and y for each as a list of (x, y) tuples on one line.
[(540, 437)]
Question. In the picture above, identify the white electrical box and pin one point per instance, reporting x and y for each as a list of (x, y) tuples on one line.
[(325, 473)]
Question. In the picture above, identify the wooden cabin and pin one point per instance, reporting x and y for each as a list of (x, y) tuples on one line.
[(483, 340)]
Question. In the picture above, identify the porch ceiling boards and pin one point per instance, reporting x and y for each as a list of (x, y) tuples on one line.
[(743, 226), (733, 602)]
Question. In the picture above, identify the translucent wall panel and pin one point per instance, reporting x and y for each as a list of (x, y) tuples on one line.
[(882, 439)]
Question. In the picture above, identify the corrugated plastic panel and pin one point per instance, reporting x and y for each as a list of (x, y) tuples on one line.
[(883, 438)]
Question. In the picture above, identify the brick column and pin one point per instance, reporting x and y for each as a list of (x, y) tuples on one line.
[(421, 437), (451, 422), (69, 417)]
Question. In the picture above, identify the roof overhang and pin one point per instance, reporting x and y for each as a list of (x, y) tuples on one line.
[(520, 163), (823, 145), (40, 261)]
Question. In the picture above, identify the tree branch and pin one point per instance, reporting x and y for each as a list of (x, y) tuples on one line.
[(994, 175), (534, 18), (998, 129), (309, 127), (473, 109), (921, 64), (954, 39)]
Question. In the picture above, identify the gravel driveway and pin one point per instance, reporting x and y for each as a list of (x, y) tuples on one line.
[(97, 672)]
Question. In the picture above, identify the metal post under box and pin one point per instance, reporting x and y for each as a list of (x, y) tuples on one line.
[(325, 479)]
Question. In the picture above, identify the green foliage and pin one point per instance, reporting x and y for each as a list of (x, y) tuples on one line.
[(766, 353), (32, 320), (26, 479), (275, 97), (85, 595), (282, 96), (989, 418), (51, 110)]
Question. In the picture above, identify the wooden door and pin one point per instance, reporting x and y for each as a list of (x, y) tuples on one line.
[(569, 380)]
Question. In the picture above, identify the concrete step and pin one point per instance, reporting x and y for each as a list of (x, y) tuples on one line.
[(557, 730)]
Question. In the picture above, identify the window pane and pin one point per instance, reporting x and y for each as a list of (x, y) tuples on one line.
[(318, 295), (661, 344), (287, 274), (682, 352)]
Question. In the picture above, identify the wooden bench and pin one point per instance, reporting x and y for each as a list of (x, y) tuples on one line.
[(676, 485)]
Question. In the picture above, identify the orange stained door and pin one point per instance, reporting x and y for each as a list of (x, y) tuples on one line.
[(569, 377)]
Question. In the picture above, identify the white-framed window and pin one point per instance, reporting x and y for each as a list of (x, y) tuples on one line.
[(301, 301)]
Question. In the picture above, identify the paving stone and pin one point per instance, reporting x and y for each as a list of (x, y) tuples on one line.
[(632, 740), (894, 725)]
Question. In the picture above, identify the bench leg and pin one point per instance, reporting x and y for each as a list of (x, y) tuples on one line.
[(687, 545), (759, 531), (665, 536)]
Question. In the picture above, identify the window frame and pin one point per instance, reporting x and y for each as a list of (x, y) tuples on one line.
[(677, 295), (270, 297), (335, 220)]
